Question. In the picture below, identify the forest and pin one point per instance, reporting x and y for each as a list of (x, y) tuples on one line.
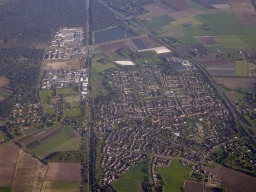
[(31, 20)]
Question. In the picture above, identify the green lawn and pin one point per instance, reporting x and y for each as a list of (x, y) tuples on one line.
[(5, 189), (128, 182), (174, 176), (49, 110), (48, 145), (61, 186), (103, 67), (46, 95), (242, 68), (230, 41), (71, 99), (159, 21), (4, 94), (67, 91), (96, 76)]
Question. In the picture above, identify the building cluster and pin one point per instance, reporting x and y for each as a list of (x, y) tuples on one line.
[(60, 78), (169, 115), (25, 114), (68, 43)]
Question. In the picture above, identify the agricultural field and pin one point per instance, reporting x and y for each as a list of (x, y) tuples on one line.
[(196, 5), (45, 96), (159, 21), (61, 186), (174, 175), (65, 172), (230, 41), (223, 67), (8, 162), (128, 181), (242, 68), (246, 83), (238, 182), (193, 186), (111, 48), (29, 173), (208, 40), (249, 40), (231, 95)]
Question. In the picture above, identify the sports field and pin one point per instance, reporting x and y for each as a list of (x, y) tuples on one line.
[(230, 41), (66, 91), (174, 175), (242, 68), (61, 186), (138, 173)]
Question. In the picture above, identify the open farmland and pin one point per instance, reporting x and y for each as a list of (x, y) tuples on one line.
[(247, 83), (150, 42), (61, 186), (111, 48), (230, 41), (65, 172), (249, 40), (192, 186), (231, 95), (159, 21), (207, 40), (224, 67), (180, 5), (242, 68), (29, 173), (174, 175), (155, 9), (187, 49), (9, 153), (234, 181), (128, 182)]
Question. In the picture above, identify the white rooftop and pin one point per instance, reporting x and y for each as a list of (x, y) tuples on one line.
[(125, 62), (158, 50)]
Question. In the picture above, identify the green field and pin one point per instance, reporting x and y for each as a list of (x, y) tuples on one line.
[(49, 110), (61, 186), (242, 68), (174, 176), (67, 91), (160, 21), (72, 112), (48, 145), (196, 5), (210, 48), (72, 144), (72, 99), (30, 130), (239, 96), (4, 94), (96, 76), (128, 182), (103, 67), (5, 189), (249, 40), (230, 41), (46, 95)]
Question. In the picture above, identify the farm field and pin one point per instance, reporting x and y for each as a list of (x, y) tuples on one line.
[(207, 40), (249, 40), (247, 83), (231, 95), (61, 186), (64, 172), (138, 173), (159, 21), (47, 147), (230, 41), (242, 68), (238, 182), (8, 161), (174, 175), (193, 186), (29, 173), (111, 48), (196, 5), (223, 67)]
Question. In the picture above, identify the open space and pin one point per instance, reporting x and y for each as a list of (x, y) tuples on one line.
[(45, 96), (230, 41), (207, 40), (174, 175), (65, 172), (61, 186), (128, 182), (222, 67), (242, 68), (111, 48), (247, 83), (159, 21), (193, 186)]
